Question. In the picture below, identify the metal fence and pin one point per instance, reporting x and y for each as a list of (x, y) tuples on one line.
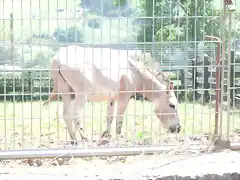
[(175, 34)]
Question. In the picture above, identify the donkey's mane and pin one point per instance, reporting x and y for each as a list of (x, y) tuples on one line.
[(143, 68)]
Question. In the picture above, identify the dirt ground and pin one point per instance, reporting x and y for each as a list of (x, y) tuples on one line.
[(167, 166)]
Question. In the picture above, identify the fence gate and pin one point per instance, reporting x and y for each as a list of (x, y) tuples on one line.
[(185, 40)]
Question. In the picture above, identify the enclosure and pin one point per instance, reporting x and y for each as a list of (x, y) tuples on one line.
[(195, 43)]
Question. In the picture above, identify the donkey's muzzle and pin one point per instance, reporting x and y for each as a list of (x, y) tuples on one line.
[(175, 128)]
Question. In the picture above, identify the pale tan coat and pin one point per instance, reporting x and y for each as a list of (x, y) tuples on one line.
[(98, 74)]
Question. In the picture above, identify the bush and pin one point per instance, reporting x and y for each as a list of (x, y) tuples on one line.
[(25, 87), (94, 23), (72, 34)]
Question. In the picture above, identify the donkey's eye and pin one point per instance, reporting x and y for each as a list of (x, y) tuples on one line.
[(172, 106)]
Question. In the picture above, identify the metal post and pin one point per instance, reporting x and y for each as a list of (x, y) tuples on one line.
[(218, 91), (153, 31), (223, 37), (231, 8), (11, 38)]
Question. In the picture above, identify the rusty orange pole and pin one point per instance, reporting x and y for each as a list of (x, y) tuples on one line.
[(218, 91)]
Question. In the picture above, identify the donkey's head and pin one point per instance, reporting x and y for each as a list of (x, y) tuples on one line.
[(166, 105), (159, 92), (164, 101)]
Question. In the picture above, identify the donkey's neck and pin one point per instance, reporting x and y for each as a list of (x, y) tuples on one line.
[(150, 87), (148, 84)]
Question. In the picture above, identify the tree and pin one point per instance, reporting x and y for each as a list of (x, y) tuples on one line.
[(72, 34), (117, 3), (60, 35), (182, 20), (39, 61)]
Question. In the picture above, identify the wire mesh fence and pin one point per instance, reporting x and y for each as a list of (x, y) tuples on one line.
[(171, 34)]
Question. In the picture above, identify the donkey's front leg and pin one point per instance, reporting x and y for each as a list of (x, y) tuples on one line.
[(123, 100), (78, 120), (110, 113)]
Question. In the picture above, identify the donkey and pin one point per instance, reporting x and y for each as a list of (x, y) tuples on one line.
[(98, 74)]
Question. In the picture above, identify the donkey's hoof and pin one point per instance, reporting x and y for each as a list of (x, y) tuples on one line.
[(103, 141), (84, 138), (74, 143), (119, 136), (106, 134)]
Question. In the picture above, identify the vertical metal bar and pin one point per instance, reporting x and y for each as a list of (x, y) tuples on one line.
[(40, 32), (92, 20), (31, 83), (202, 107), (5, 88), (233, 64), (195, 39), (13, 73), (153, 30), (84, 57), (13, 64), (229, 71), (218, 92), (58, 138), (49, 80), (101, 32), (212, 45), (185, 93), (153, 55), (223, 37), (144, 50), (126, 129), (182, 71), (11, 35), (65, 19), (23, 63), (161, 48), (217, 82), (119, 68)]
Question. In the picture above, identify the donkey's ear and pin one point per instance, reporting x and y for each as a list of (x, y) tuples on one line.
[(171, 86)]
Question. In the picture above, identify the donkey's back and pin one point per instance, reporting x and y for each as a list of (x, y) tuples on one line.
[(100, 68)]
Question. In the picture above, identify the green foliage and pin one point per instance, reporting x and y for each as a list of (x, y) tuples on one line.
[(25, 87), (35, 57), (94, 23), (119, 2), (72, 34), (184, 21), (40, 61)]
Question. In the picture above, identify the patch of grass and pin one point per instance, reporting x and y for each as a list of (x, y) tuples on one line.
[(31, 125)]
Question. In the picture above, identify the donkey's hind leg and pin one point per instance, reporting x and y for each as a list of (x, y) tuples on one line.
[(68, 116), (79, 114)]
